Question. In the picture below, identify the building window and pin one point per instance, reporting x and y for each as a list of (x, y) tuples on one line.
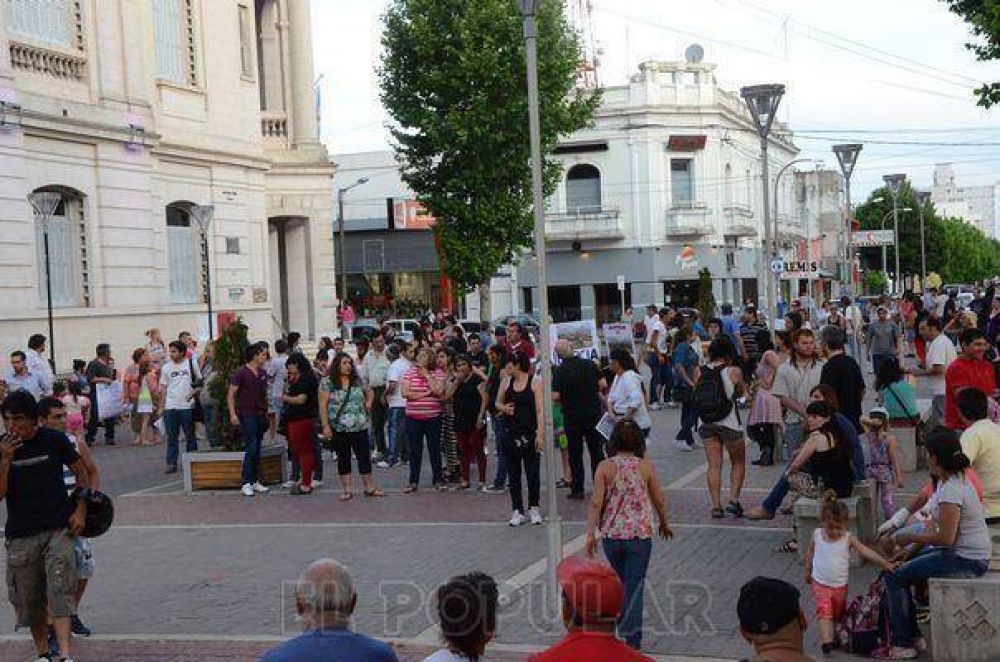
[(682, 182), (68, 263), (232, 245), (247, 38), (373, 254), (174, 37), (50, 22), (184, 254), (583, 189)]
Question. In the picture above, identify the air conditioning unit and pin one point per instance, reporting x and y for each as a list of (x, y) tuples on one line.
[(732, 260)]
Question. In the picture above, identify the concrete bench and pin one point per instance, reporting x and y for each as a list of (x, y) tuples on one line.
[(807, 520), (868, 519), (965, 618), (906, 445)]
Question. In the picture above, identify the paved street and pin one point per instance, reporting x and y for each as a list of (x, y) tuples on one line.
[(211, 574)]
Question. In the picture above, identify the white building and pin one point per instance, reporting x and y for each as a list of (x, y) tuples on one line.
[(135, 110), (665, 183), (819, 199), (390, 255), (976, 204)]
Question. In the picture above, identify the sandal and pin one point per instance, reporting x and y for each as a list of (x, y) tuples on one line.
[(410, 489), (735, 508), (789, 547), (375, 493), (718, 513), (462, 486), (346, 496), (562, 483)]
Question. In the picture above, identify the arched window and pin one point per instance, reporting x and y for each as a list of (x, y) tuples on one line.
[(68, 266), (583, 189), (184, 254)]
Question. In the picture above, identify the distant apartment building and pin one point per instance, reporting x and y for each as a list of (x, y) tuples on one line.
[(979, 205), (820, 236)]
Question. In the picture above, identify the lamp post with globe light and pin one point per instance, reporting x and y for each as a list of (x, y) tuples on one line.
[(847, 157), (895, 183), (44, 204), (341, 192)]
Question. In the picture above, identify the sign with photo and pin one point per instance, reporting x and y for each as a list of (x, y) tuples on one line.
[(618, 336), (582, 337)]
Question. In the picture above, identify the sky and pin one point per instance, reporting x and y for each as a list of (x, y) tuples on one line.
[(886, 73)]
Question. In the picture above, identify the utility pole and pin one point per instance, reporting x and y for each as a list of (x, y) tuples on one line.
[(847, 157), (895, 182)]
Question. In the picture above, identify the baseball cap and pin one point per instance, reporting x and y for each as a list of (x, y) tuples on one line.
[(593, 589), (766, 605)]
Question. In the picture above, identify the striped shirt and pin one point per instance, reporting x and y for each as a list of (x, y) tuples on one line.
[(68, 476), (421, 404)]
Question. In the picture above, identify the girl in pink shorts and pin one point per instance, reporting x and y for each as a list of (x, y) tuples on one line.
[(827, 566)]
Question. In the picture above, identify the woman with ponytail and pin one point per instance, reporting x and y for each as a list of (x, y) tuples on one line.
[(957, 544)]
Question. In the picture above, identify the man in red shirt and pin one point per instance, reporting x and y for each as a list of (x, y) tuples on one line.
[(969, 370), (592, 600), (518, 341)]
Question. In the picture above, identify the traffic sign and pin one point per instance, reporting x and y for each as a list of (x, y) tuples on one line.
[(777, 266), (621, 283), (867, 238)]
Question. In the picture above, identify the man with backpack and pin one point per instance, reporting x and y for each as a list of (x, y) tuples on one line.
[(180, 380), (718, 385)]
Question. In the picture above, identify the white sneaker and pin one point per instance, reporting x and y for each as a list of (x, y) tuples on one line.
[(656, 406), (383, 465), (536, 517), (257, 487), (248, 489), (287, 484), (376, 456), (683, 446), (517, 519), (317, 483)]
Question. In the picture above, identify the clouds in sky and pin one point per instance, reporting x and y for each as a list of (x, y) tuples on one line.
[(919, 78)]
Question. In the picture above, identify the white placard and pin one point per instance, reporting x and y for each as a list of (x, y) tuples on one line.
[(618, 336), (606, 426), (582, 337)]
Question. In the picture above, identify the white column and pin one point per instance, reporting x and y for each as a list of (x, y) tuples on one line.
[(303, 110)]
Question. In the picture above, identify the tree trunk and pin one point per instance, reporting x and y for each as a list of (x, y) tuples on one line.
[(485, 302)]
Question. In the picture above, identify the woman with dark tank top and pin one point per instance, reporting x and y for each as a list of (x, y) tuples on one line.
[(520, 399)]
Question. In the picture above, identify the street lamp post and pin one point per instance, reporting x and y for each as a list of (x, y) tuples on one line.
[(777, 182), (895, 182), (554, 525), (847, 157), (923, 197), (341, 192), (763, 101), (44, 204), (203, 215), (884, 251)]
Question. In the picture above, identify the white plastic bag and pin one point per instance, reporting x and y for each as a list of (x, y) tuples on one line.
[(110, 400)]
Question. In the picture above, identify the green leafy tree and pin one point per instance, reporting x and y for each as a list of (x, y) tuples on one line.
[(876, 282), (229, 349), (706, 298), (983, 17), (452, 77)]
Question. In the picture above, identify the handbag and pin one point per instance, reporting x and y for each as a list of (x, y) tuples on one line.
[(803, 483), (919, 429), (196, 382), (340, 410)]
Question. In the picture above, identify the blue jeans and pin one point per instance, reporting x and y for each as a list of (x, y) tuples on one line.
[(630, 559), (500, 433), (253, 428), (794, 432), (689, 419), (666, 378), (174, 420), (395, 426), (416, 431), (654, 367), (211, 413), (793, 439), (933, 562)]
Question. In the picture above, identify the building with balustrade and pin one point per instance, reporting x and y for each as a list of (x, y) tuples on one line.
[(135, 112), (666, 182)]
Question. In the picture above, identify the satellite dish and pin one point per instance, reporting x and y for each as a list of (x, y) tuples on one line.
[(694, 54)]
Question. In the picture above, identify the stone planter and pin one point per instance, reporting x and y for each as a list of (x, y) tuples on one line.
[(222, 470)]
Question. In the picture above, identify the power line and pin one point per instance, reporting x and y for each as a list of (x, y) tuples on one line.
[(805, 136)]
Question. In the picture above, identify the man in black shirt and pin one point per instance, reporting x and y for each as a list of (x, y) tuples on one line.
[(100, 371), (477, 357), (842, 373), (42, 520), (577, 385)]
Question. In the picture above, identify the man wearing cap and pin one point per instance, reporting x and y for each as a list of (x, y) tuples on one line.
[(592, 600), (883, 339), (772, 621)]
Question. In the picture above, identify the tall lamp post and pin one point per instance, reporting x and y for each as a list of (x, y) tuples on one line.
[(763, 101), (341, 192), (777, 182), (895, 183), (923, 197), (884, 250), (203, 215), (847, 157), (44, 204), (554, 525)]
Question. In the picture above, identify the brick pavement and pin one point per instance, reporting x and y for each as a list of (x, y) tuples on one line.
[(213, 564)]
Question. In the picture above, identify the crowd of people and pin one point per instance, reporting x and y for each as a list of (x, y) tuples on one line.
[(797, 392)]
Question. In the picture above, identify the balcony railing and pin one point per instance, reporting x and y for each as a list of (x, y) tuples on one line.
[(584, 223), (274, 125), (739, 221), (688, 219), (789, 226), (44, 61)]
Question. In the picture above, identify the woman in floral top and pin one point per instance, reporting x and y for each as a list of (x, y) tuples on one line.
[(344, 404), (626, 492)]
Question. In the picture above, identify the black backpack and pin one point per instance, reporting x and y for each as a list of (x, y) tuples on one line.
[(710, 399)]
